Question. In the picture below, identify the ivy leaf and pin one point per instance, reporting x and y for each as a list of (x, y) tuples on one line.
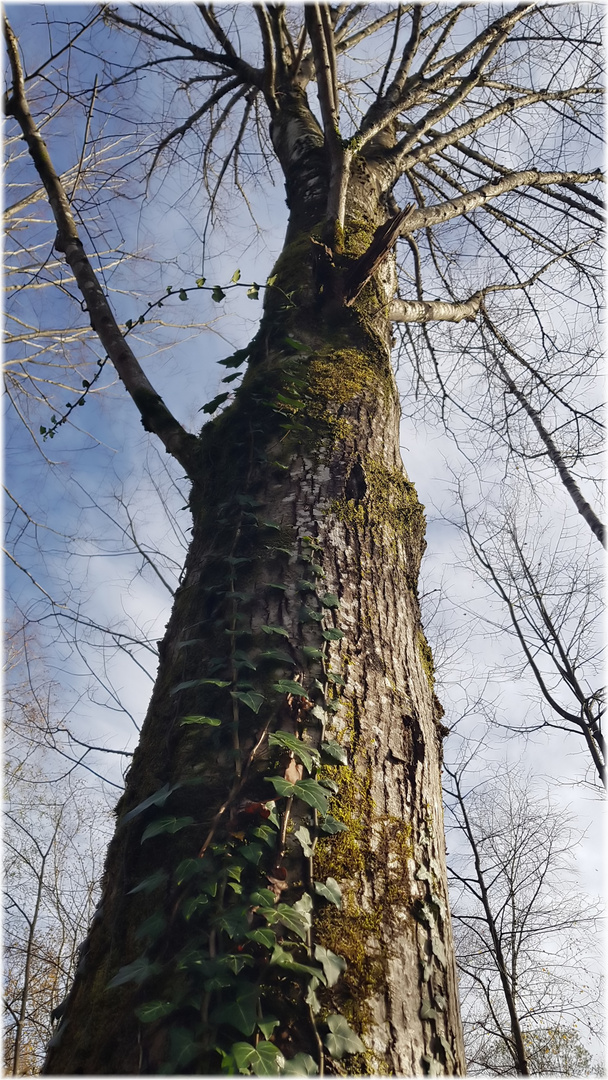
[(297, 345), (231, 378), (281, 786), (332, 750), (288, 686), (253, 293), (217, 294), (334, 634), (154, 1010), (297, 921), (236, 358), (236, 276), (251, 852), (183, 295), (151, 927), (262, 898), (218, 400), (310, 792), (200, 682), (311, 653), (150, 883), (333, 965), (331, 826), (200, 281), (267, 1025), (268, 629), (300, 1065), (165, 825), (311, 996), (242, 1013), (330, 600), (182, 1049), (249, 698), (193, 904), (335, 678), (264, 936), (342, 1039), (303, 837), (305, 754), (307, 615), (304, 905), (330, 891), (282, 958), (159, 798), (277, 654), (210, 721), (265, 1059), (136, 972)]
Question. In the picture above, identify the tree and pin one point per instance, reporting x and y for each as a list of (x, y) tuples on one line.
[(523, 935), (53, 842), (287, 781)]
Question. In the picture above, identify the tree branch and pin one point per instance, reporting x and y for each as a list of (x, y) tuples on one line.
[(435, 215), (155, 415)]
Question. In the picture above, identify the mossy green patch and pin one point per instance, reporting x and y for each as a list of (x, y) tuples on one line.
[(426, 656)]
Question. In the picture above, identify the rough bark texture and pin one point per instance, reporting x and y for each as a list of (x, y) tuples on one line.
[(302, 497)]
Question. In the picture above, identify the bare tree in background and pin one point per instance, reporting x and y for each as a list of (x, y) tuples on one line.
[(523, 934), (53, 846), (295, 645)]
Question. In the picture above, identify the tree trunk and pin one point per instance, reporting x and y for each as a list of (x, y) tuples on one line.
[(303, 567)]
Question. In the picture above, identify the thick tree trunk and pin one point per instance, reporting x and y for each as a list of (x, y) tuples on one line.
[(301, 504)]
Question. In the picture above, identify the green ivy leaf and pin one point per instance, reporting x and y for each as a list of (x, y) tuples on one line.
[(331, 826), (268, 629), (199, 682), (271, 280), (150, 883), (330, 600), (297, 921), (277, 654), (152, 927), (200, 281), (182, 1049), (342, 1039), (297, 345), (282, 958), (265, 1059), (300, 1065), (249, 698), (165, 825), (183, 295), (265, 833), (310, 792), (305, 754), (308, 615), (267, 1025), (159, 798), (282, 787), (288, 686), (192, 904), (251, 852), (330, 891), (332, 750), (209, 721), (262, 898), (303, 837), (253, 293), (217, 294), (311, 653), (241, 1013), (154, 1010), (264, 936), (333, 965), (236, 276), (218, 400), (335, 678), (137, 972), (311, 996), (333, 634)]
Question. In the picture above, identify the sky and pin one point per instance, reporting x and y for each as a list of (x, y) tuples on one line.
[(70, 529)]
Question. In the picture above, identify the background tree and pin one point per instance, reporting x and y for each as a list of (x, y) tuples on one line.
[(522, 933), (332, 395)]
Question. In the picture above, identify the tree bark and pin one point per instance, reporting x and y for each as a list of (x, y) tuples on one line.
[(303, 505)]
